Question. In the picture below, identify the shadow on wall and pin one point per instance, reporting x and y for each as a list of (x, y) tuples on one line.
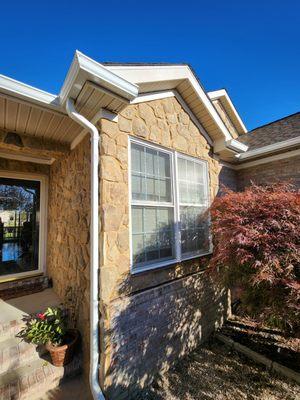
[(227, 178), (150, 329)]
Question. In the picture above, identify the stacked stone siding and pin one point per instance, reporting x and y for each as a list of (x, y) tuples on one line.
[(68, 235), (287, 169), (25, 167), (135, 324)]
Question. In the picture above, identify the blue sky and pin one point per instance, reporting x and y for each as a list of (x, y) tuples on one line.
[(252, 48)]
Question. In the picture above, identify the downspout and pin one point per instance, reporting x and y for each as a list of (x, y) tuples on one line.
[(94, 250)]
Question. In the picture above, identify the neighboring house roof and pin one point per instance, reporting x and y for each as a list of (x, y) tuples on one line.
[(277, 131)]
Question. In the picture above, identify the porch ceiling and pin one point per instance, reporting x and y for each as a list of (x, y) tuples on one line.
[(45, 123)]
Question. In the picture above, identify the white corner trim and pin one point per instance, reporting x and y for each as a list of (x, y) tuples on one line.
[(102, 113), (29, 158), (270, 148)]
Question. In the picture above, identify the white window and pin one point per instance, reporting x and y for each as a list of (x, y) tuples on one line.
[(169, 197)]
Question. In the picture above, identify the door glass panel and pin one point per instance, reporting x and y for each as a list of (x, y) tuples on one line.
[(19, 225)]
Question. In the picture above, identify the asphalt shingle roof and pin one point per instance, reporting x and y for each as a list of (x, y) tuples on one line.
[(274, 132)]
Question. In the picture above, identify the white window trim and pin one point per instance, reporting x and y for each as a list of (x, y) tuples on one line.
[(175, 205), (43, 179)]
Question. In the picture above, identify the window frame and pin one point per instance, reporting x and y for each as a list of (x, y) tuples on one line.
[(174, 155)]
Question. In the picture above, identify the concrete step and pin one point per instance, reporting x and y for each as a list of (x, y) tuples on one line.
[(35, 378), (14, 352)]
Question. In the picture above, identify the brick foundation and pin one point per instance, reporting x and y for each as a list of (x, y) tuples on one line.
[(151, 329), (23, 287)]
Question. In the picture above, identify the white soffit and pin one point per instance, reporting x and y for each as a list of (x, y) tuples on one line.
[(181, 78), (84, 69), (223, 96)]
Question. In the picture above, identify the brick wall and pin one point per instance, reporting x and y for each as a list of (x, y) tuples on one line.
[(227, 178), (151, 329), (276, 171)]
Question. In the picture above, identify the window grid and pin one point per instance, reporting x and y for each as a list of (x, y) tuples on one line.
[(175, 204)]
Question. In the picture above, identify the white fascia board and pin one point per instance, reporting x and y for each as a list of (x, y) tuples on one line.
[(270, 148), (144, 97), (261, 161), (85, 69), (236, 145), (222, 93), (29, 93), (161, 73)]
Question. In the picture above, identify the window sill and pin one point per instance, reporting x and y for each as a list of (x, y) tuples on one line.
[(165, 264)]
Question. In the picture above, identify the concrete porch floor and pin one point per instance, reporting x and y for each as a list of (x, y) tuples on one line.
[(14, 309), (75, 388)]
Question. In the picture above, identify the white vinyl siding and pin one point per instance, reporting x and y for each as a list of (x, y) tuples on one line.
[(169, 196)]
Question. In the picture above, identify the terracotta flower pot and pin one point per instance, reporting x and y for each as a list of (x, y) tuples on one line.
[(63, 355)]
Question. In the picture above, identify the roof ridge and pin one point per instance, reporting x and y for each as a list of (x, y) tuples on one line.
[(273, 122)]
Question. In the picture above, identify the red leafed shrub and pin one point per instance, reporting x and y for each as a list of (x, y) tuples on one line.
[(257, 249)]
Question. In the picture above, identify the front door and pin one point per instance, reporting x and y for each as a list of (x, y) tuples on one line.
[(19, 227)]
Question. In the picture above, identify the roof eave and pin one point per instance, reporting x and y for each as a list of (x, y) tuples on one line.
[(226, 101), (85, 69)]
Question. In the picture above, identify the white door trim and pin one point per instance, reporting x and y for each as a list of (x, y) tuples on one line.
[(43, 179)]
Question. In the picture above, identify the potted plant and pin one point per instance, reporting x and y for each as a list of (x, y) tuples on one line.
[(50, 329)]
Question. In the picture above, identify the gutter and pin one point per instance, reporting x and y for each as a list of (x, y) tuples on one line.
[(284, 145), (94, 250)]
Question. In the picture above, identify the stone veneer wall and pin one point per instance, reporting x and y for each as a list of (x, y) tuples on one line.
[(277, 171), (148, 319), (68, 234), (21, 166)]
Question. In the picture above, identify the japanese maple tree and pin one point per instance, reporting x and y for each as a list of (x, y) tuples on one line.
[(256, 237)]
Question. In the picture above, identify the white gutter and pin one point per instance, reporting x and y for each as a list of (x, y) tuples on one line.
[(94, 260), (270, 148)]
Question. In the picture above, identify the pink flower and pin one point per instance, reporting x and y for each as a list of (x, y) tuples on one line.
[(41, 316)]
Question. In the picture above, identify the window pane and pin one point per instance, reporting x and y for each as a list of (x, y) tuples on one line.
[(138, 187), (164, 190), (181, 168), (194, 222), (194, 230), (19, 225), (190, 171), (150, 175), (152, 234), (150, 161), (137, 158), (164, 165), (150, 220), (199, 173), (138, 248), (137, 219)]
